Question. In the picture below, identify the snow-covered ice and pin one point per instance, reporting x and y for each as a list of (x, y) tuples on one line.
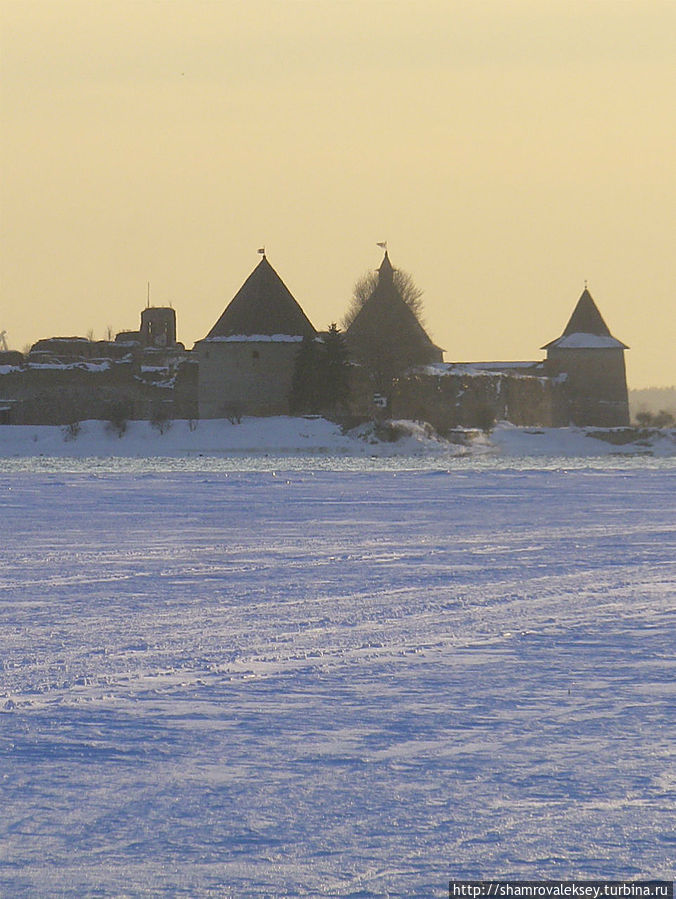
[(334, 683)]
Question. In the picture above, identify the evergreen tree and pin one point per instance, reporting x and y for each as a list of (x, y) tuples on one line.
[(321, 376), (335, 370)]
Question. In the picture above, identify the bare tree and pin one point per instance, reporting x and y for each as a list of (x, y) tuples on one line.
[(71, 431), (661, 419), (160, 417), (364, 287)]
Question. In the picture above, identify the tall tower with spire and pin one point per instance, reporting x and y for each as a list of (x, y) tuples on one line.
[(385, 336), (591, 361)]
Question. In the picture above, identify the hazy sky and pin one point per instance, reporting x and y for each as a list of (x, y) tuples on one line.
[(507, 150)]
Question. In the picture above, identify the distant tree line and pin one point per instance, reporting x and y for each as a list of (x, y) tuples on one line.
[(661, 419)]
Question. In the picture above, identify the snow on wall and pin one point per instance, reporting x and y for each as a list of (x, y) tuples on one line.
[(255, 338), (579, 341)]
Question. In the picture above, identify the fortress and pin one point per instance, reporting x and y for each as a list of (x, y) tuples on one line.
[(247, 362)]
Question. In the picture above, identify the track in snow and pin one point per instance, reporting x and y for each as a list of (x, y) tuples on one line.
[(339, 684)]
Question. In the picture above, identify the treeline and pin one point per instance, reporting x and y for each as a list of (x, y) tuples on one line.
[(653, 400), (661, 419)]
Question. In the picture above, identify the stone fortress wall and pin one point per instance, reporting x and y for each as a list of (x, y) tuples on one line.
[(245, 366)]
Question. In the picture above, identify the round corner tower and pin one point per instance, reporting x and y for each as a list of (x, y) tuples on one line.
[(590, 362)]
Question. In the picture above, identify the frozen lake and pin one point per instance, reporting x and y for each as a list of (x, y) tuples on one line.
[(298, 681)]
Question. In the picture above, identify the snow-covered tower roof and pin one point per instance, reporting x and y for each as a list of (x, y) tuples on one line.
[(586, 329)]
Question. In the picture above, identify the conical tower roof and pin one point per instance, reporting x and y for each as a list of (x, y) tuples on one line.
[(386, 272), (586, 318), (386, 328), (263, 305), (586, 328)]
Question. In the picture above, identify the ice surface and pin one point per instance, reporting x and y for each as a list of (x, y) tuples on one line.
[(334, 683)]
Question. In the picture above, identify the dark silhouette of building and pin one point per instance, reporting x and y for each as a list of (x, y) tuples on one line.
[(263, 305), (247, 359), (158, 326), (386, 337), (245, 366), (591, 362)]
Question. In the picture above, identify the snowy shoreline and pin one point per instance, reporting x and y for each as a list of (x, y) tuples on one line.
[(285, 435)]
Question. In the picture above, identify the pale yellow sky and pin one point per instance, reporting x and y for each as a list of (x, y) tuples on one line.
[(507, 150)]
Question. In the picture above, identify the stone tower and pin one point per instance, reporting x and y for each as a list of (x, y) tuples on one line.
[(158, 326), (247, 359), (385, 336), (590, 361)]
